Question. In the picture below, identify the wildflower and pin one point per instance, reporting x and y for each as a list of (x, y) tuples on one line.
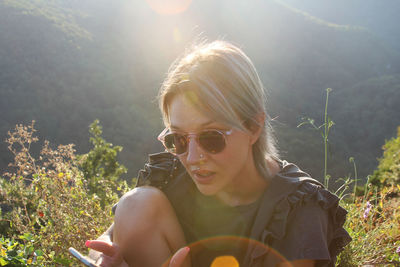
[(398, 251), (41, 214), (3, 252), (367, 210), (60, 175), (34, 257)]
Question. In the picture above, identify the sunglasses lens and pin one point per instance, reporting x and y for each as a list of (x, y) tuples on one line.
[(175, 143), (212, 141)]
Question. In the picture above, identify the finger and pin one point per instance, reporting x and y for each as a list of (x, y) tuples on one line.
[(106, 261), (179, 257), (105, 247)]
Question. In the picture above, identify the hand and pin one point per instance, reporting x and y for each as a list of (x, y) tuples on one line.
[(179, 257), (110, 253)]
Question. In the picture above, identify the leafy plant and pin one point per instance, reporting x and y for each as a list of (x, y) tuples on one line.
[(23, 253), (373, 223), (374, 216), (100, 165), (48, 205), (388, 172)]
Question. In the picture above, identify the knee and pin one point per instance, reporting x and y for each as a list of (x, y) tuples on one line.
[(142, 203)]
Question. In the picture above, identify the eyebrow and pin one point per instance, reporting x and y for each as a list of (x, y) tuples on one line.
[(205, 124)]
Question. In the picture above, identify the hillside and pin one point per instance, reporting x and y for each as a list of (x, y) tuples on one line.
[(379, 17), (65, 64)]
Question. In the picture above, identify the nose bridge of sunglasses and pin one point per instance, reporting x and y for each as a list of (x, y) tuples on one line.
[(194, 152), (194, 148), (190, 137)]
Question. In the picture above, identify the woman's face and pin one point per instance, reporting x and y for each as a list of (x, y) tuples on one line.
[(213, 174)]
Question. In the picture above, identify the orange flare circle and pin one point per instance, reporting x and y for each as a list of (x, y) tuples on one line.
[(225, 261), (221, 242)]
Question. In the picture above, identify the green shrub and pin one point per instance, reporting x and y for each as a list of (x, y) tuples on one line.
[(14, 253), (374, 214), (388, 171), (100, 165), (48, 203)]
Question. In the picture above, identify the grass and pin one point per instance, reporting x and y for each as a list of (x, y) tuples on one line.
[(375, 231)]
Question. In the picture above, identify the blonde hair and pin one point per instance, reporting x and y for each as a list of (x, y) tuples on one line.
[(222, 82)]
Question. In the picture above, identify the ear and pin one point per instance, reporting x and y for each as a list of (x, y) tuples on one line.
[(256, 127)]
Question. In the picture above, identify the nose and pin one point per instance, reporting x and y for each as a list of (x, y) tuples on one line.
[(194, 151)]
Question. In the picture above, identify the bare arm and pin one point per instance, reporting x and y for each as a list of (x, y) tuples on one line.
[(111, 255)]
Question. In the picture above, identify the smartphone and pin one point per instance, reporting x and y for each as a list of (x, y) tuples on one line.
[(83, 259)]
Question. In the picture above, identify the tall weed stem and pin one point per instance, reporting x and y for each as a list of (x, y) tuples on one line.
[(328, 123), (327, 126), (351, 159)]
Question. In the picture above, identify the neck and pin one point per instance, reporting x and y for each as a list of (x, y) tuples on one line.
[(248, 187)]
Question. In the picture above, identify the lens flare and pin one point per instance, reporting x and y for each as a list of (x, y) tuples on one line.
[(169, 7), (223, 243), (177, 35), (225, 261)]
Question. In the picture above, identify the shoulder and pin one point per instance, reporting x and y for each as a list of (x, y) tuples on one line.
[(307, 220), (165, 172), (305, 193), (160, 169)]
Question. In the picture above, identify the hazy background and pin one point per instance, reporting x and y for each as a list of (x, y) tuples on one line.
[(65, 63)]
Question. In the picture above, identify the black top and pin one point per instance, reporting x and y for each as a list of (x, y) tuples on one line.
[(295, 218), (222, 229)]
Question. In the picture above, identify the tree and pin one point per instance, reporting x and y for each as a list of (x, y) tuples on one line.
[(100, 164)]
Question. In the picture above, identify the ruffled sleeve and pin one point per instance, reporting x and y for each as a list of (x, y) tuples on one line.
[(297, 219), (164, 171), (308, 224), (159, 171)]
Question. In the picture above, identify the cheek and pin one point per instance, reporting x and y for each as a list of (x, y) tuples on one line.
[(239, 145), (235, 154)]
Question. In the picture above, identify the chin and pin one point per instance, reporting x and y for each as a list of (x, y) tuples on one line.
[(207, 190)]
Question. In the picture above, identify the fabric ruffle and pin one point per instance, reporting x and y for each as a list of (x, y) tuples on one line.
[(159, 170), (305, 193)]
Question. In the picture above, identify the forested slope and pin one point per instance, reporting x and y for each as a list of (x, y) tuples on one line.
[(65, 64)]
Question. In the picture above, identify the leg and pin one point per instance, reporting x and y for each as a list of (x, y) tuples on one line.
[(146, 227)]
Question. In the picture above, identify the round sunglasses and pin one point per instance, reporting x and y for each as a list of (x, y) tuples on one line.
[(211, 141)]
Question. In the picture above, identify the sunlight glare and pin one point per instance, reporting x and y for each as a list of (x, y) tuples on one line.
[(177, 35), (169, 7)]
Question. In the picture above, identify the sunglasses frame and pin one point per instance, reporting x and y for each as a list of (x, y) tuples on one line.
[(167, 131)]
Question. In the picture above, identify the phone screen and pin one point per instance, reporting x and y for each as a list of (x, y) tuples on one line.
[(83, 259)]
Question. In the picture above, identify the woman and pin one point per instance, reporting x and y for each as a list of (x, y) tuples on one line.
[(220, 189)]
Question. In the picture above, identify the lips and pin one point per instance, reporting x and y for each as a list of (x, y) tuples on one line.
[(203, 176)]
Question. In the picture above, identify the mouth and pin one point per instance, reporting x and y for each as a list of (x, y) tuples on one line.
[(203, 176)]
